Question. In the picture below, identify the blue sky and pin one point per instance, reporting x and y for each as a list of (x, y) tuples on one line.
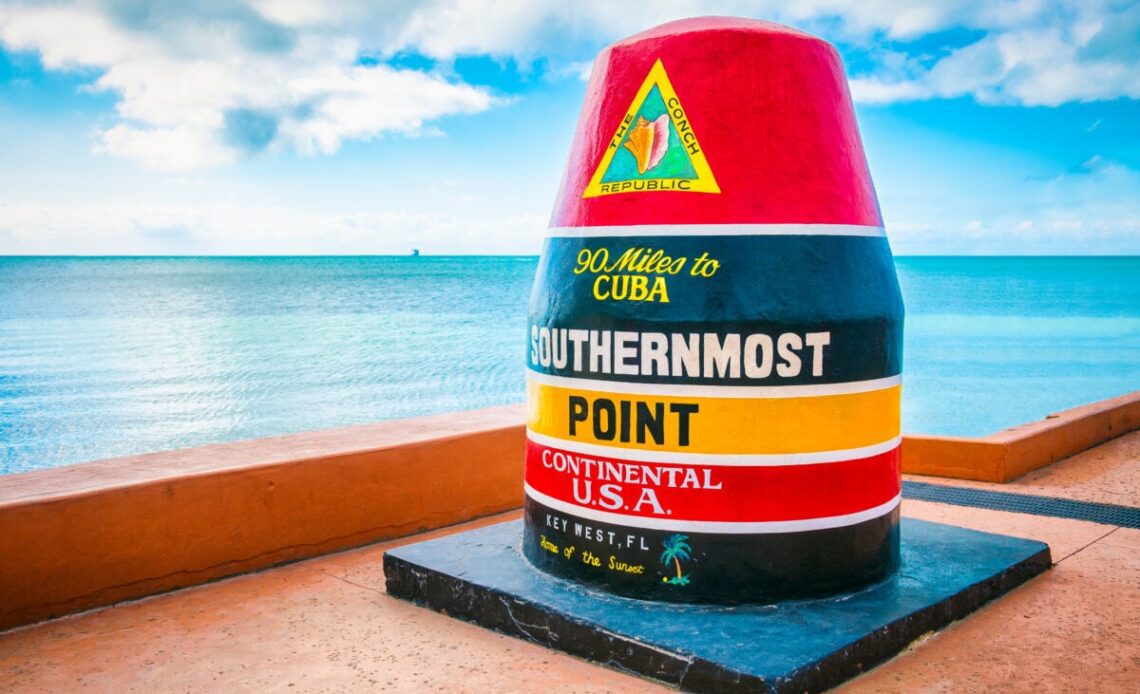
[(297, 126)]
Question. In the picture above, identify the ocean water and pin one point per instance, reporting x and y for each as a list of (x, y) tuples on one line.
[(103, 357)]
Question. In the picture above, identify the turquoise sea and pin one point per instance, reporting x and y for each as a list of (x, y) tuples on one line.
[(103, 357)]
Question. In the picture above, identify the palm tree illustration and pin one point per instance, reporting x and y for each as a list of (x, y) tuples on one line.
[(677, 549)]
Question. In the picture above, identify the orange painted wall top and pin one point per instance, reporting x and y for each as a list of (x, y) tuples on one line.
[(1009, 454), (93, 534), (89, 535)]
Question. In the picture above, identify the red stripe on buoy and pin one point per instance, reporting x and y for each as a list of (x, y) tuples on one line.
[(774, 121), (720, 493)]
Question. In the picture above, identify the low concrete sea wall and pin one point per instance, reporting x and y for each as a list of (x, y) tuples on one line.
[(89, 535), (1009, 454), (82, 536)]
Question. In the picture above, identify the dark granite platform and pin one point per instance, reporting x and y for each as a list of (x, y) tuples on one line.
[(947, 572)]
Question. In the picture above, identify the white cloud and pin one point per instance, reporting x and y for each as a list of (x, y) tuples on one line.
[(235, 229), (203, 83), (362, 102), (169, 149), (200, 87), (300, 13), (65, 37), (1091, 211), (1068, 52)]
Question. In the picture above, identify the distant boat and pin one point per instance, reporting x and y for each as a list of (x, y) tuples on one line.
[(415, 252)]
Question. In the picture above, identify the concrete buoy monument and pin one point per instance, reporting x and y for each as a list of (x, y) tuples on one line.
[(714, 358), (715, 329)]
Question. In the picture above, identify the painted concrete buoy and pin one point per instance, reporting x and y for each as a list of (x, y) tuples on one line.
[(715, 331)]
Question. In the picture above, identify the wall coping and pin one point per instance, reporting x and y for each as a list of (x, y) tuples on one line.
[(147, 468), (1011, 453), (91, 534)]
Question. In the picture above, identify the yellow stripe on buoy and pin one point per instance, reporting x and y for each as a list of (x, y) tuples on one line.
[(745, 426)]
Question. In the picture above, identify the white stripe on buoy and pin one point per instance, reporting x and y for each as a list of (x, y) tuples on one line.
[(721, 527), (715, 459), (727, 391), (718, 230)]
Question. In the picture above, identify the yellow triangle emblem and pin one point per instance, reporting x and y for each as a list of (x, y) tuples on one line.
[(654, 147)]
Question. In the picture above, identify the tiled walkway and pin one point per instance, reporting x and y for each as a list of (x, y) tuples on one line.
[(326, 624)]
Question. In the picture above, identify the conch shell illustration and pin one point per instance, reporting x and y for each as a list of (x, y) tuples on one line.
[(648, 141)]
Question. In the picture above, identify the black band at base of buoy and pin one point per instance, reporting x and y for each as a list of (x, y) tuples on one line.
[(671, 566)]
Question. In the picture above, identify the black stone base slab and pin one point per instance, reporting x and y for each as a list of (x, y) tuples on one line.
[(809, 645)]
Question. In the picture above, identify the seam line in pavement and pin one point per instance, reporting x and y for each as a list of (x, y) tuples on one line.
[(1084, 547), (1106, 514), (342, 579)]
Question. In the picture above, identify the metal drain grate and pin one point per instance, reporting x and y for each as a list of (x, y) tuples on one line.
[(1108, 514)]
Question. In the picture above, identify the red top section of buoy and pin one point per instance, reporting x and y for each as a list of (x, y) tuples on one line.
[(761, 111)]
